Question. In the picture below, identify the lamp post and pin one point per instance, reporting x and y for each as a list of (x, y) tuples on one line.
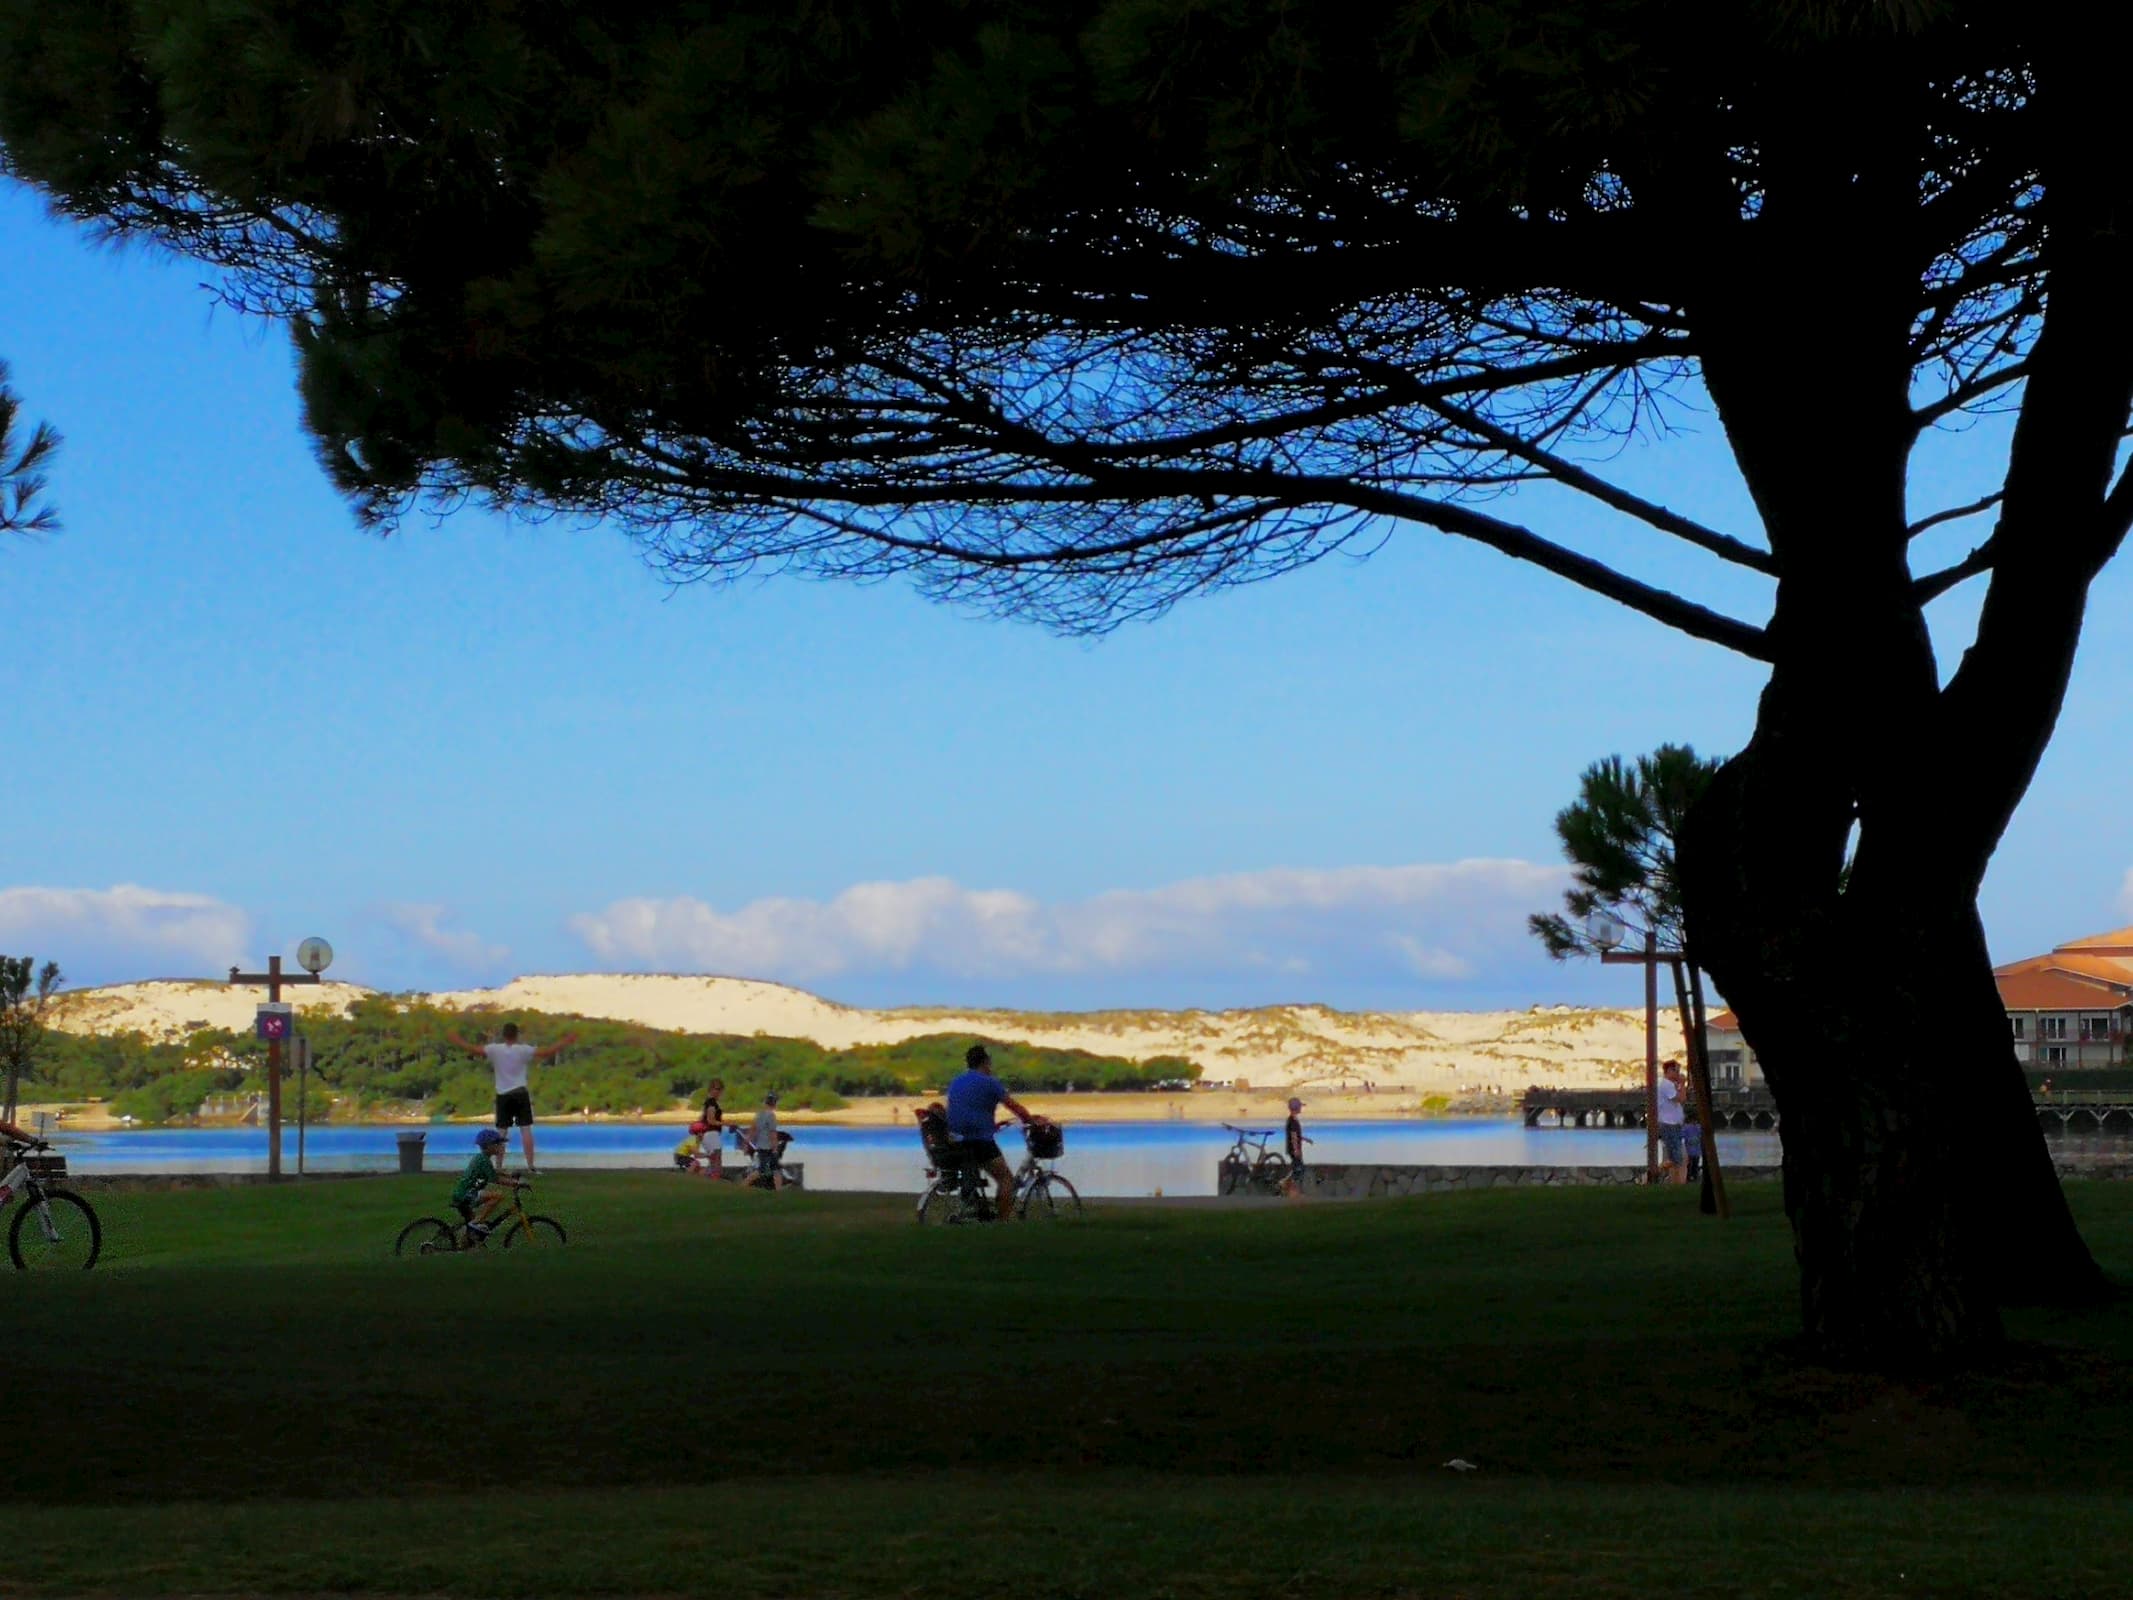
[(1607, 931), (275, 1023)]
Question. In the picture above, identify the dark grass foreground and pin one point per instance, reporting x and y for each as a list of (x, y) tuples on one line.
[(805, 1394)]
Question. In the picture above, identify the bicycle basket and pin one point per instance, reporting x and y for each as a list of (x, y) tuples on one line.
[(1047, 1141)]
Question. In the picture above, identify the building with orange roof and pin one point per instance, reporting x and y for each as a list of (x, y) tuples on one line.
[(1733, 1063), (2072, 1007)]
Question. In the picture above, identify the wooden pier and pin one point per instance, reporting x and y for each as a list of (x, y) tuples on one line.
[(1735, 1110), (2085, 1111), (1754, 1110)]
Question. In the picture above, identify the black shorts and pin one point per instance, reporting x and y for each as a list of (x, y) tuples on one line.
[(514, 1108), (979, 1152)]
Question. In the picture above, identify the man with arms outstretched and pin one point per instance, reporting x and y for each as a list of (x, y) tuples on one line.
[(510, 1060)]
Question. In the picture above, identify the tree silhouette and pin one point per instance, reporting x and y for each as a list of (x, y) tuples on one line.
[(22, 469), (1069, 311), (25, 989), (1620, 839)]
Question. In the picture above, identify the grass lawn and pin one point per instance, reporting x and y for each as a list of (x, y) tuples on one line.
[(807, 1395)]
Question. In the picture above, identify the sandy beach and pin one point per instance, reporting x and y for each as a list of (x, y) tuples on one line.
[(1345, 1064)]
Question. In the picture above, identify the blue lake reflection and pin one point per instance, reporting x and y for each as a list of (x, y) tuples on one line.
[(1120, 1158)]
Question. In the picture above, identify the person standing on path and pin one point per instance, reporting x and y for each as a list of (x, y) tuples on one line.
[(1672, 1142), (511, 1060), (763, 1135), (714, 1119), (1296, 1140)]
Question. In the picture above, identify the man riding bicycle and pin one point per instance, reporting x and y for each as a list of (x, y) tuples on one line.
[(973, 1098)]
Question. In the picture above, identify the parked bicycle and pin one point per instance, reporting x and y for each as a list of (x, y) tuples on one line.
[(1250, 1166), (433, 1236), (52, 1228), (958, 1190)]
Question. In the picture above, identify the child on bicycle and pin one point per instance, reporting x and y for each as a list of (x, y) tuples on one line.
[(689, 1153), (479, 1193)]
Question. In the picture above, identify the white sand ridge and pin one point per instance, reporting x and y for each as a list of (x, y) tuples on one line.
[(1428, 1052)]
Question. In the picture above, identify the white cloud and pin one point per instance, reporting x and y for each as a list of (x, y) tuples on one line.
[(1446, 922), (424, 924), (1426, 962), (126, 929)]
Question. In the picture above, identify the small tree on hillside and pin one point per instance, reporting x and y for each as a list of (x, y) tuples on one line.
[(25, 989)]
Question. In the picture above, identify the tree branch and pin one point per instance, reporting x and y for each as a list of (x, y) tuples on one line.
[(1934, 585), (1968, 394), (1572, 476), (1957, 513)]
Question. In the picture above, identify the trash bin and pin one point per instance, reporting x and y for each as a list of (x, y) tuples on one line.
[(411, 1151)]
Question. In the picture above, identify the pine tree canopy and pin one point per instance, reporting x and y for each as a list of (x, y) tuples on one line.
[(1073, 309)]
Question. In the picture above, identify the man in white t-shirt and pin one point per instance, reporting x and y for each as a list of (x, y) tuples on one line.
[(1672, 1141), (510, 1061), (763, 1135)]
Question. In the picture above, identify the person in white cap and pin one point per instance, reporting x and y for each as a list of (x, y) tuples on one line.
[(1297, 1139), (763, 1135)]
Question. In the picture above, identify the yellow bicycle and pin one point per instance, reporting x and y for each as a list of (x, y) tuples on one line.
[(433, 1236)]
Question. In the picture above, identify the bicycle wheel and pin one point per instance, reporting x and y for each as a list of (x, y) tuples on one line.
[(1235, 1175), (945, 1204), (58, 1232), (1270, 1174), (425, 1236), (543, 1231), (934, 1205), (1051, 1199)]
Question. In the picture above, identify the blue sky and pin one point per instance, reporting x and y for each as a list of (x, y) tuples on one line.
[(484, 748)]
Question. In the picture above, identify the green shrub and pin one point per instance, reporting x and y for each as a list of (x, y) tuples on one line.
[(380, 1054)]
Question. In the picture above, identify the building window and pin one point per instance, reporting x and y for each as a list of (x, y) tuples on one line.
[(2051, 1027), (2055, 1055), (2098, 1027), (2017, 1021)]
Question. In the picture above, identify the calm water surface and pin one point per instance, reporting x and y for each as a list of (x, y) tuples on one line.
[(1119, 1158)]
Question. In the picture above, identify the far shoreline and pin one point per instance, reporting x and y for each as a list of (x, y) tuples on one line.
[(1207, 1107)]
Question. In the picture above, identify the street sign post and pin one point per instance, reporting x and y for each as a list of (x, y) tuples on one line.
[(311, 951)]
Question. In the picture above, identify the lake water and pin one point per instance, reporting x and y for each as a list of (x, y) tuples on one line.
[(1120, 1158)]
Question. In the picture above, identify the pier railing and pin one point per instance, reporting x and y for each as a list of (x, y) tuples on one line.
[(1731, 1109), (2082, 1111)]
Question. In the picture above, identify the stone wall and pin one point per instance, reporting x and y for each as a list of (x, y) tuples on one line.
[(795, 1177), (1363, 1182), (1370, 1181)]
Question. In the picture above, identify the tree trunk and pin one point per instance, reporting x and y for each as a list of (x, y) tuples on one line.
[(1917, 1181), (1830, 871)]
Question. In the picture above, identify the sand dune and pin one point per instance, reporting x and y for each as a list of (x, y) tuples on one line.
[(1450, 1053)]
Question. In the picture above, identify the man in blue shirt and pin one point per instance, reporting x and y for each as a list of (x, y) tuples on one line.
[(973, 1098)]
